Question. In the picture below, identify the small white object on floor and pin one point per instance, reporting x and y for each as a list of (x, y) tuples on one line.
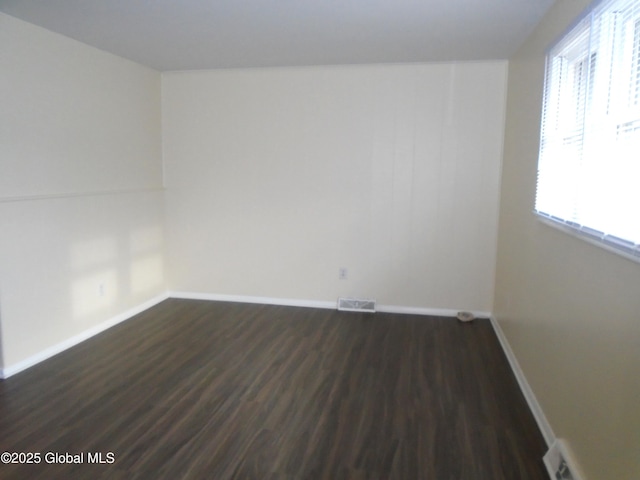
[(465, 316)]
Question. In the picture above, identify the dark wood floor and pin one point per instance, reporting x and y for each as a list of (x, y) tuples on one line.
[(206, 390)]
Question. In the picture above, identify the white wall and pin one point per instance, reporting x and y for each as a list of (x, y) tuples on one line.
[(276, 178), (570, 310), (80, 188)]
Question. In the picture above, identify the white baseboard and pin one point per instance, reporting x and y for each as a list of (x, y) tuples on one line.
[(435, 312), (532, 401), (76, 339), (221, 297), (327, 304)]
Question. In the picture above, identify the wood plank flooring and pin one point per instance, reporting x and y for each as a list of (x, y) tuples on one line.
[(206, 390)]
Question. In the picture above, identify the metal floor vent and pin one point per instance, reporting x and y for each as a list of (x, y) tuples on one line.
[(560, 464), (356, 305)]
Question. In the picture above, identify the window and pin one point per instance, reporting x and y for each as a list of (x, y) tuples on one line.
[(589, 162)]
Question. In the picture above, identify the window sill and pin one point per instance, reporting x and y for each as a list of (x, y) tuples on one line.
[(594, 238)]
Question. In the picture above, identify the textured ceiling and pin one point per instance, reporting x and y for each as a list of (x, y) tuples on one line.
[(207, 34)]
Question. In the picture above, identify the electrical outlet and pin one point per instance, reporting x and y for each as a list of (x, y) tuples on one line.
[(342, 273), (101, 289)]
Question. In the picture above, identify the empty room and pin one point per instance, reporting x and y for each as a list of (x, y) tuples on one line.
[(320, 240)]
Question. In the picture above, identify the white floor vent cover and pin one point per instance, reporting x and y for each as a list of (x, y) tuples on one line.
[(560, 463), (356, 305)]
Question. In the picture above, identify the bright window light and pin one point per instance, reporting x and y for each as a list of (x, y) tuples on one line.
[(589, 162)]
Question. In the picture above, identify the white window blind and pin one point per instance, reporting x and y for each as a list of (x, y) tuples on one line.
[(589, 162)]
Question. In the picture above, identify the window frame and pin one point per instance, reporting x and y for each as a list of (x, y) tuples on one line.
[(563, 60)]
